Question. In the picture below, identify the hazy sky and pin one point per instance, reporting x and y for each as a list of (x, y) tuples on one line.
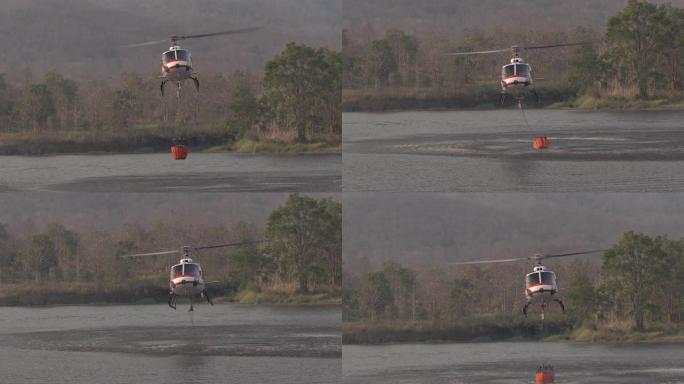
[(429, 229)]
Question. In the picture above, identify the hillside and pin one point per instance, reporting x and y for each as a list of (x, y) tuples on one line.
[(368, 19), (85, 37)]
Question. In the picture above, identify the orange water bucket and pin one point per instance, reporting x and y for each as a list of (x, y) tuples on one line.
[(541, 142), (179, 152), (544, 375)]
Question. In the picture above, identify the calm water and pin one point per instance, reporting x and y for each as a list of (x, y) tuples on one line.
[(491, 151), (513, 362), (158, 172), (154, 344)]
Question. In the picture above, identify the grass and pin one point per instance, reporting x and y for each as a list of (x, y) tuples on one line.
[(272, 147)]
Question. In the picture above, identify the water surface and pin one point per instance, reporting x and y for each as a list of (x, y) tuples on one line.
[(513, 362), (154, 344), (492, 151), (210, 172)]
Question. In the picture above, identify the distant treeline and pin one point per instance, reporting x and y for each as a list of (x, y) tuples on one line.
[(297, 100), (301, 254), (640, 54), (640, 281)]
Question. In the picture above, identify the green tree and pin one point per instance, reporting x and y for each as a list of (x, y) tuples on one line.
[(295, 83), (378, 63), (633, 37), (376, 295), (39, 256), (630, 272), (245, 110), (299, 233), (38, 106), (66, 248)]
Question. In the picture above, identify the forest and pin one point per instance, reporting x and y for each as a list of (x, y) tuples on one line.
[(297, 260), (293, 106), (634, 60), (635, 292)]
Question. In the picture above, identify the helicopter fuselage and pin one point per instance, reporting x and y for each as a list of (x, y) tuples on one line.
[(516, 78)]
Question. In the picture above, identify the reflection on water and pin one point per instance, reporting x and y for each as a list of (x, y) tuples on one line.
[(491, 151)]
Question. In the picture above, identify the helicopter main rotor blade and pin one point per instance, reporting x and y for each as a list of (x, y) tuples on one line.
[(554, 45), (488, 261), (540, 257), (228, 244), (152, 254), (230, 32), (478, 52), (153, 42)]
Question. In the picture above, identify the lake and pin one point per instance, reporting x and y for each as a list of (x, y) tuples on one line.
[(492, 151), (154, 344), (201, 172), (513, 362)]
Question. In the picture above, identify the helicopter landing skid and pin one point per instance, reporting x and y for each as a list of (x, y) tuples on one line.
[(543, 307), (206, 296), (172, 300)]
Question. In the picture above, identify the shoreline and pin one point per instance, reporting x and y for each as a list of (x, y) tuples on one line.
[(387, 334)]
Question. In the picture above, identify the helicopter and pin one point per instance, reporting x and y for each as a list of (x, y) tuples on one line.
[(176, 65), (541, 285), (187, 278), (516, 77)]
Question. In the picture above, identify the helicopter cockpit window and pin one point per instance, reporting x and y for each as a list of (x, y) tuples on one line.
[(169, 57), (533, 278), (191, 269), (547, 278), (177, 270), (522, 69), (182, 55), (508, 70)]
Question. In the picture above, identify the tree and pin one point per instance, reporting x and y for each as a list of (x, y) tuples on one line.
[(39, 256), (38, 106), (379, 63), (630, 272), (376, 295), (295, 83), (245, 110), (633, 36), (66, 248), (247, 264), (300, 234)]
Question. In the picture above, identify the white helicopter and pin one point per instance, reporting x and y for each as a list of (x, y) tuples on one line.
[(541, 285), (516, 77), (177, 62), (187, 278)]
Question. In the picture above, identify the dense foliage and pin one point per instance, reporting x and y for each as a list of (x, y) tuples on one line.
[(297, 101), (302, 252), (641, 280), (640, 54)]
